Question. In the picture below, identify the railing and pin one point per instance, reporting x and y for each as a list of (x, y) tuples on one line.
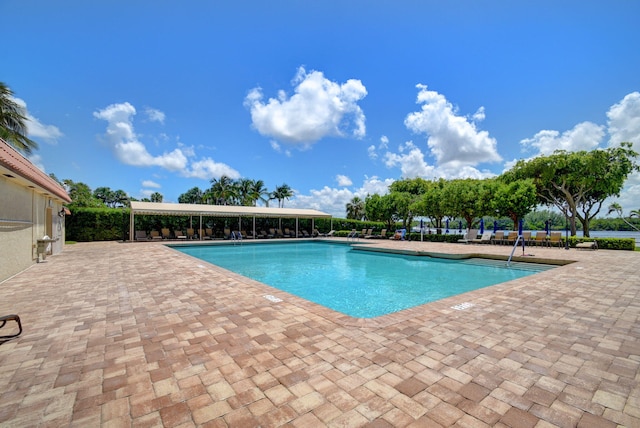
[(236, 237), (514, 249)]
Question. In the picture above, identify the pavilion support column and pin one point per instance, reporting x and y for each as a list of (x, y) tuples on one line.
[(200, 230), (254, 228), (131, 225), (297, 233)]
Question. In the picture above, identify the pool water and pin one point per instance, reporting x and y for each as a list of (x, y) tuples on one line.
[(360, 284)]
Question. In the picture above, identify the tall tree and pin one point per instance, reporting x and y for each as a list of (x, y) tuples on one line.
[(514, 199), (355, 208), (223, 190), (282, 193), (260, 192), (156, 197), (461, 199), (380, 208), (191, 196), (81, 195), (13, 122), (578, 183)]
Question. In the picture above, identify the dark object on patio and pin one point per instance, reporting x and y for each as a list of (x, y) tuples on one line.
[(3, 321)]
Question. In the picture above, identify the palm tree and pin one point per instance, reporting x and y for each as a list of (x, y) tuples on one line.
[(260, 192), (282, 193), (245, 191), (13, 122), (616, 207), (156, 197), (355, 208), (223, 190)]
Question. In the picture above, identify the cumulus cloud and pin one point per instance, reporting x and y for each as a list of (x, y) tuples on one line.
[(624, 121), (343, 180), (318, 108), (583, 136), (411, 162), (128, 149), (152, 184), (207, 169), (36, 129), (451, 137), (334, 201)]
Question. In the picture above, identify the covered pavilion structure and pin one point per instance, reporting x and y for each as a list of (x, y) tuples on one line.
[(227, 211)]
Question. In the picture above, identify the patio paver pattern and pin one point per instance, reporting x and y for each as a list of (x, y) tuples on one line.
[(137, 334)]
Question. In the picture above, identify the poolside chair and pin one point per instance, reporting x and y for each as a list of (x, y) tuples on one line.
[(179, 234), (555, 238), (330, 233), (469, 236), (247, 235), (589, 245), (512, 237), (526, 237), (191, 234), (383, 234), (3, 321), (541, 238), (498, 238), (317, 233), (484, 239), (353, 234), (208, 234), (227, 233), (141, 235), (155, 235), (166, 233)]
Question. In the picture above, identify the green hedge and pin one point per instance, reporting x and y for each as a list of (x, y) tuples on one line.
[(605, 243), (97, 224)]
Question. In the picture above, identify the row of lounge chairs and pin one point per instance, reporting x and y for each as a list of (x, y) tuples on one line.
[(541, 238), (166, 234)]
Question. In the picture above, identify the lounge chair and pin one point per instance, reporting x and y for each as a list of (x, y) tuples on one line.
[(191, 233), (353, 234), (3, 321), (526, 237), (179, 234), (469, 236), (141, 235), (484, 239), (247, 235), (590, 245), (330, 233), (512, 237), (317, 233), (498, 238), (383, 234), (155, 235), (208, 234), (227, 233), (541, 238), (166, 233), (555, 238)]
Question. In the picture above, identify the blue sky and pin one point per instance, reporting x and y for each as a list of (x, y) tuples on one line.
[(334, 98)]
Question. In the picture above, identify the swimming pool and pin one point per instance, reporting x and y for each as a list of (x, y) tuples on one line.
[(360, 284)]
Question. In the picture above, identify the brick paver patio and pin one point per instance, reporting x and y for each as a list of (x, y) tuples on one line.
[(137, 334)]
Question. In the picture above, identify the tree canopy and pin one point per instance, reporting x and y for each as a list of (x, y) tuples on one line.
[(13, 122)]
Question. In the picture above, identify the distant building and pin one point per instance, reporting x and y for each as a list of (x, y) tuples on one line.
[(31, 207)]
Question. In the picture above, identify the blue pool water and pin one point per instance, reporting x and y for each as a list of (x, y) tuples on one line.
[(360, 284)]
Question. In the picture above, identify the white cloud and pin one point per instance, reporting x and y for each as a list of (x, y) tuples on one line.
[(334, 201), (276, 147), (479, 115), (127, 147), (411, 162), (624, 121), (155, 115), (152, 184), (583, 136), (343, 180), (207, 169), (36, 129), (371, 150), (450, 137), (319, 108)]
